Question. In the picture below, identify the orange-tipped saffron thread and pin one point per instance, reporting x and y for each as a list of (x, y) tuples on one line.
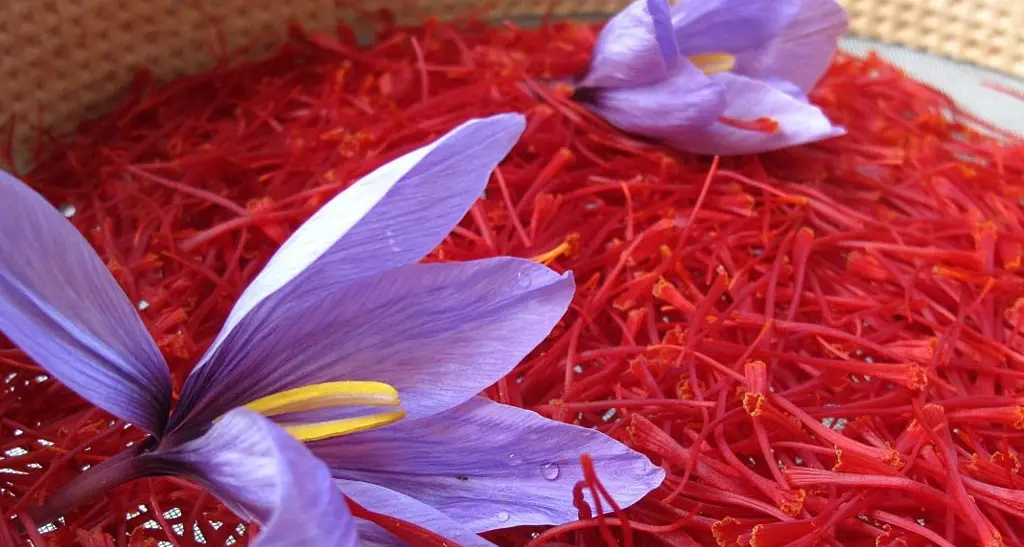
[(879, 258), (760, 125)]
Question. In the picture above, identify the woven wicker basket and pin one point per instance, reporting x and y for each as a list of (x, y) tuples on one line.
[(65, 59)]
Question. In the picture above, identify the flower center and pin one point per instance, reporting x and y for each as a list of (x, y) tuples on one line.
[(713, 63), (331, 395)]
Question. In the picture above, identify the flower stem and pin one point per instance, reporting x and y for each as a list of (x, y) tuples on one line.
[(92, 484)]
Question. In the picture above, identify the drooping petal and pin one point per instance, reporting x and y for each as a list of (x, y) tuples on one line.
[(263, 474), (685, 100), (388, 502), (730, 26), (391, 217), (636, 47), (439, 333), (802, 51), (59, 303), (748, 100), (489, 465)]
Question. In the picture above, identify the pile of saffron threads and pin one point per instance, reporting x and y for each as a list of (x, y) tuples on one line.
[(821, 345)]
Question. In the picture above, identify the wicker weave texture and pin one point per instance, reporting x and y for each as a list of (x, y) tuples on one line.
[(65, 59), (984, 32)]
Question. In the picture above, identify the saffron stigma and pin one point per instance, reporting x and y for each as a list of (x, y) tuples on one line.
[(564, 248), (331, 395)]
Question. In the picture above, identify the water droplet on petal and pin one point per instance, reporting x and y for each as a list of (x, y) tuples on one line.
[(550, 471), (504, 516), (68, 210), (514, 459), (524, 281)]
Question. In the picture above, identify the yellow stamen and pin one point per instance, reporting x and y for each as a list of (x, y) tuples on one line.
[(326, 395), (335, 428), (713, 63)]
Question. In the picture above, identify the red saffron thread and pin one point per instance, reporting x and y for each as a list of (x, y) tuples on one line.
[(760, 125)]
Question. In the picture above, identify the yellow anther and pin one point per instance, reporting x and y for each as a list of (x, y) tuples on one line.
[(326, 395), (713, 63), (325, 430)]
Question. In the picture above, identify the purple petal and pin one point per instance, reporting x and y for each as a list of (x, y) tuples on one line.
[(748, 100), (635, 47), (685, 100), (787, 87), (391, 217), (802, 51), (388, 502), (661, 17), (439, 333), (263, 474), (489, 465), (61, 306), (730, 26)]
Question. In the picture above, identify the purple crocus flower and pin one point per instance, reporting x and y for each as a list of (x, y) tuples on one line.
[(695, 75), (342, 317)]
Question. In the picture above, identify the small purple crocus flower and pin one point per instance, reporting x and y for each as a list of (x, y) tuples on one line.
[(686, 74), (342, 317)]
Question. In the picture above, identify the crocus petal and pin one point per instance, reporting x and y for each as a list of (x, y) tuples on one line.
[(730, 26), (391, 217), (802, 51), (263, 474), (394, 504), (489, 465), (787, 87), (635, 47), (748, 100), (684, 100), (439, 333), (61, 306)]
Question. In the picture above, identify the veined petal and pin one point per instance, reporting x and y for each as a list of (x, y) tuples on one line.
[(263, 474), (439, 333), (802, 51), (681, 102), (489, 465), (394, 504), (730, 26), (391, 217), (747, 100), (635, 47), (59, 304)]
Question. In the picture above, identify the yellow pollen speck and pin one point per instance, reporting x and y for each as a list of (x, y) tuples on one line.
[(713, 63)]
